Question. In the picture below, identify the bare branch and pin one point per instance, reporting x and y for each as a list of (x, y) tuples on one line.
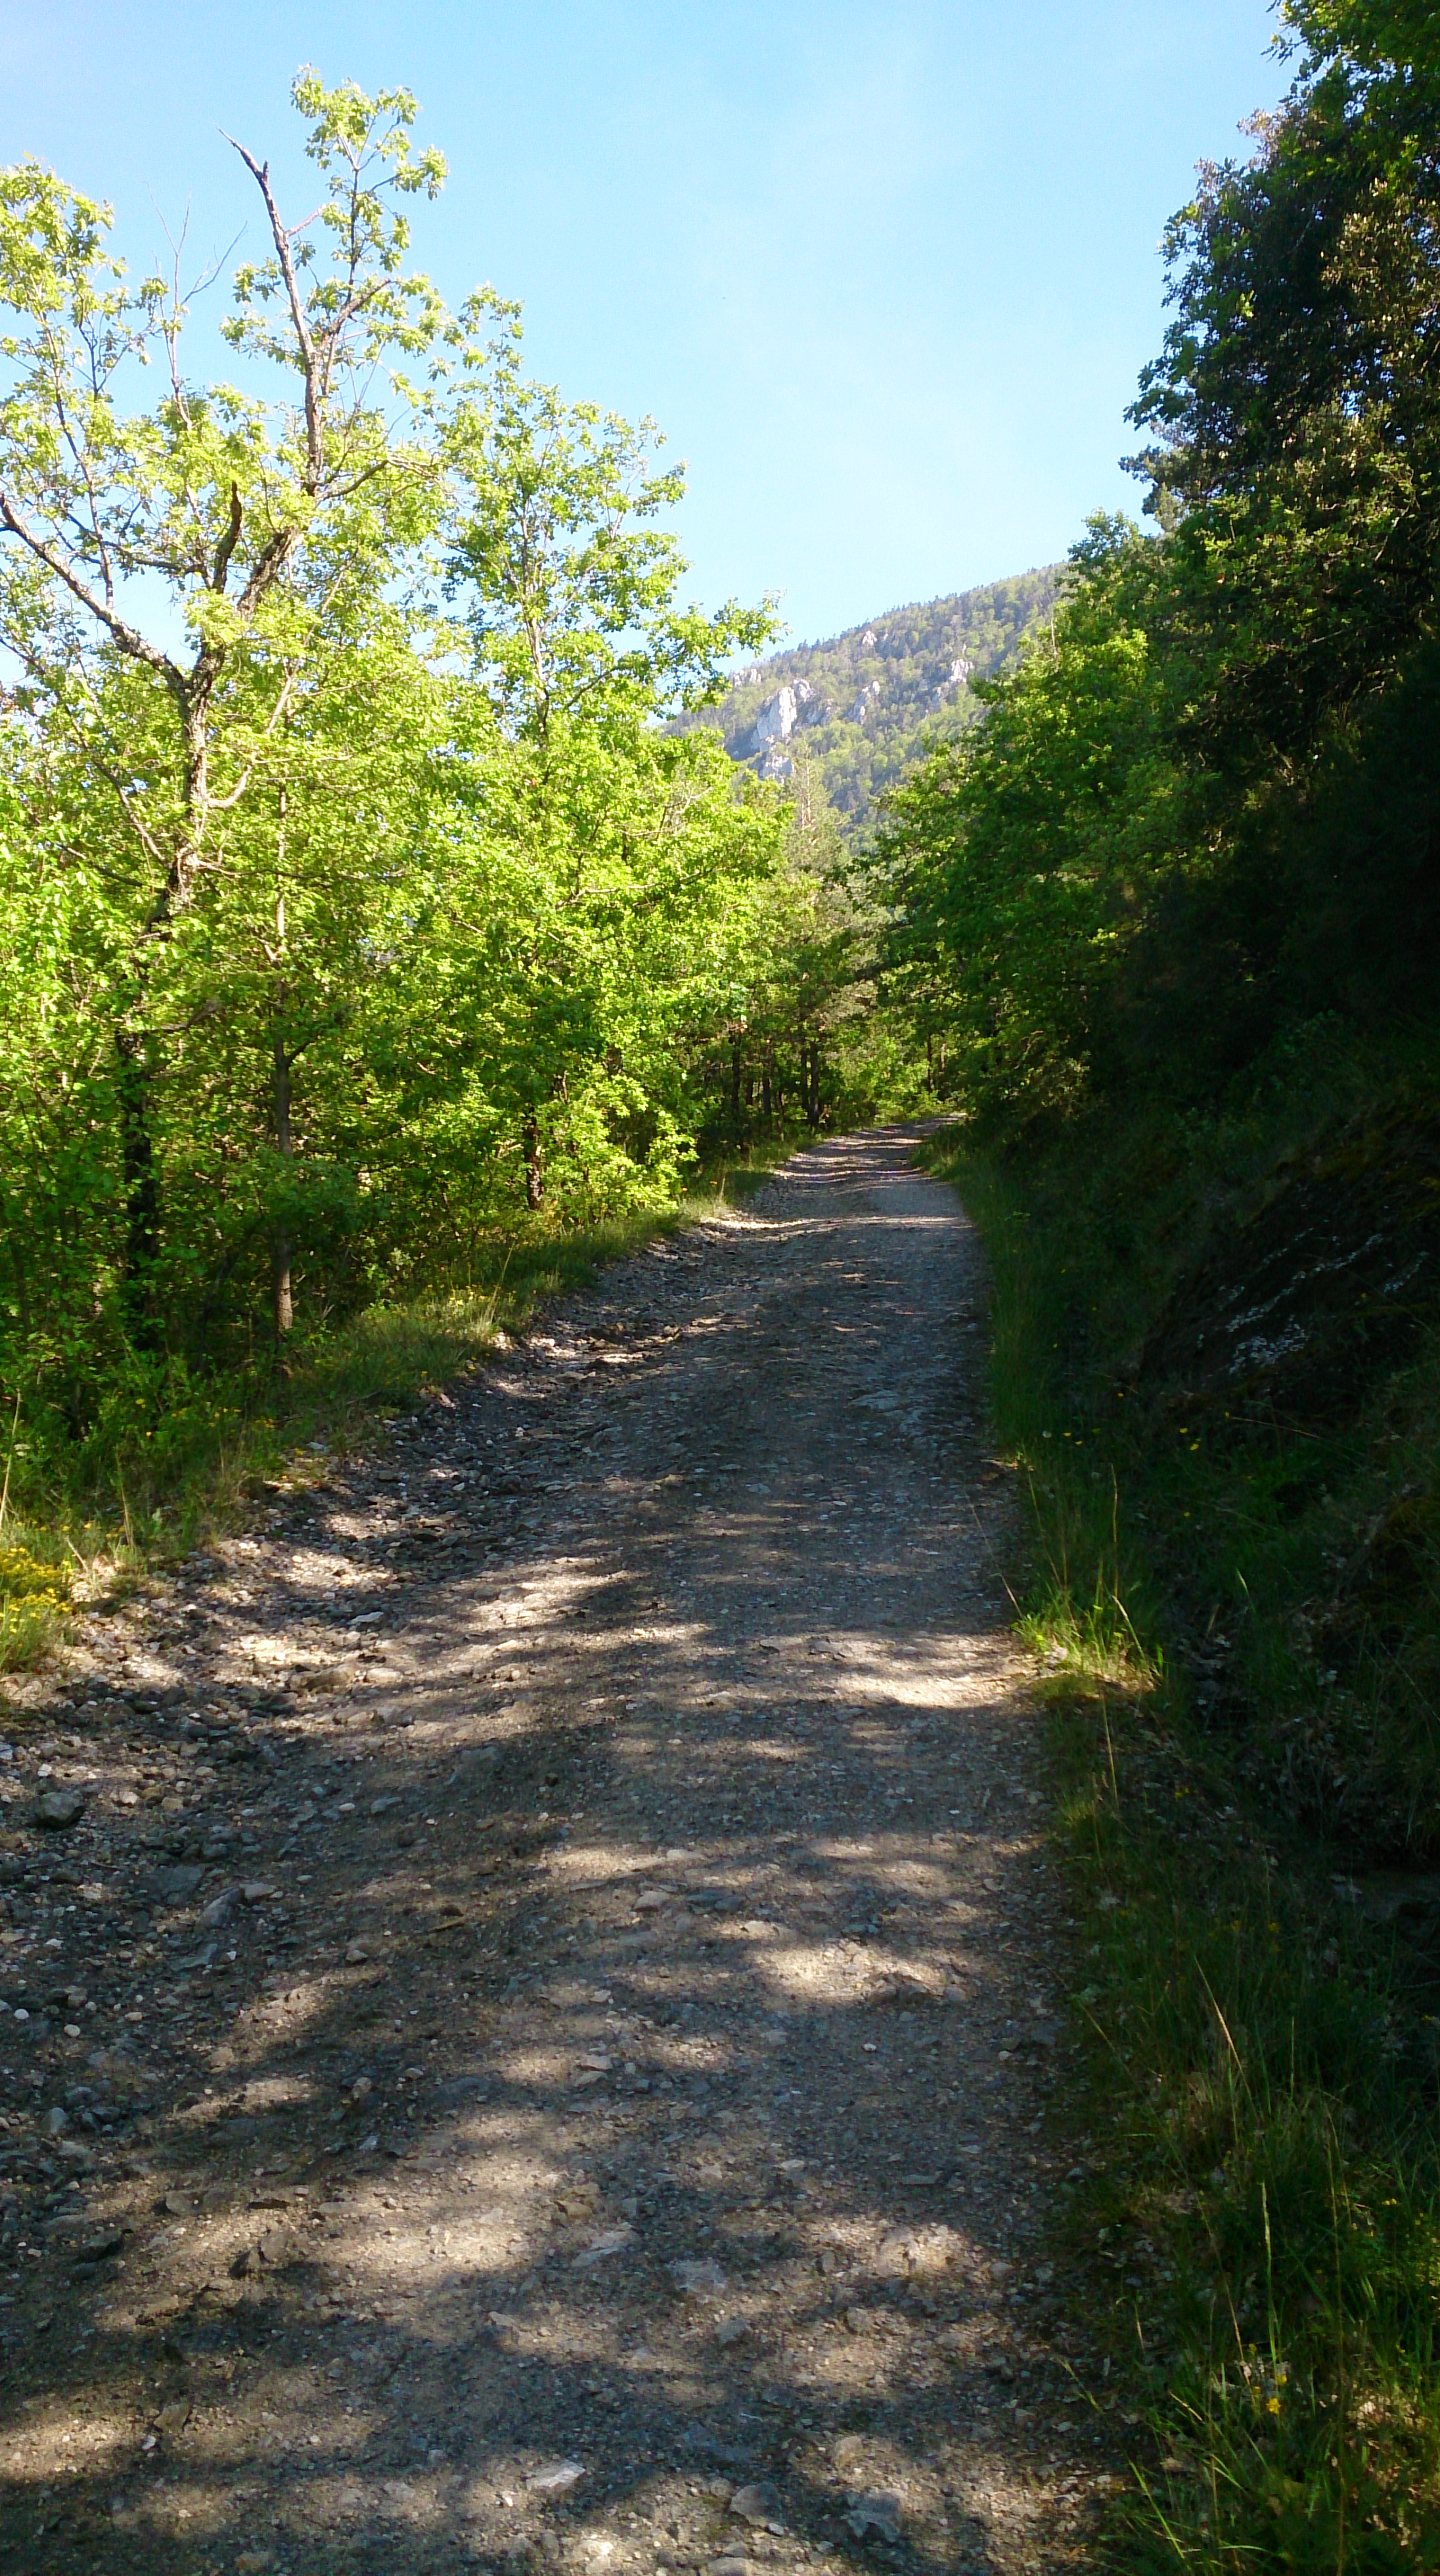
[(224, 804), (314, 434), (100, 609)]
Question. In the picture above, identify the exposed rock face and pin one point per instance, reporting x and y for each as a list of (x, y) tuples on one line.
[(775, 722), (860, 706)]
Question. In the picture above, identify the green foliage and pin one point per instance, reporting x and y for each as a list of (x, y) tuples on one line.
[(1384, 36), (1257, 2245), (1166, 923), (380, 921)]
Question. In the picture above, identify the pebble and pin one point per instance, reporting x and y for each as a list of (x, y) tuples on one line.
[(556, 2478), (881, 2513), (758, 2503), (57, 1809), (176, 1884), (98, 2248), (696, 2277), (614, 2241)]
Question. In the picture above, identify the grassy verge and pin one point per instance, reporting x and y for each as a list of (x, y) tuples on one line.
[(177, 1461), (1260, 2242)]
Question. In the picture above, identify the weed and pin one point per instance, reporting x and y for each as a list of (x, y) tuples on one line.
[(1261, 2249)]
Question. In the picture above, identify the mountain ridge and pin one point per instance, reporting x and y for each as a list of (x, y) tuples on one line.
[(861, 707)]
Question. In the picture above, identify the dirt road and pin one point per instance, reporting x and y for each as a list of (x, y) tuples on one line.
[(540, 2044)]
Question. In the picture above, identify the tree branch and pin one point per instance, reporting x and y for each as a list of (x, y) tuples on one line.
[(125, 635), (314, 439), (228, 542)]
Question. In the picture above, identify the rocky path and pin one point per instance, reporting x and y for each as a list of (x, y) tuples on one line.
[(537, 2043)]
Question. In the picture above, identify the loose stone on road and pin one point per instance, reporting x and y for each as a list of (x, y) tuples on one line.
[(609, 2119)]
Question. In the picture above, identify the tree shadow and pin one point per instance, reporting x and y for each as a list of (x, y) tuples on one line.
[(414, 2237)]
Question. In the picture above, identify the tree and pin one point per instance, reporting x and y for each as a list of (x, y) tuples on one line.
[(1295, 412), (268, 526), (329, 943), (628, 841), (1379, 36)]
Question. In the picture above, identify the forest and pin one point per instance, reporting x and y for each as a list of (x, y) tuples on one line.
[(1167, 920), (366, 923)]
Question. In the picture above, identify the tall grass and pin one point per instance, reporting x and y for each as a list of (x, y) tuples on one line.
[(1260, 2242)]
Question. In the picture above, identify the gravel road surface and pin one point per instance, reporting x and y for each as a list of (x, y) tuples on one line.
[(529, 2031)]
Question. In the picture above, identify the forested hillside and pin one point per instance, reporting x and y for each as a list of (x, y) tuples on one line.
[(858, 712), (1168, 925)]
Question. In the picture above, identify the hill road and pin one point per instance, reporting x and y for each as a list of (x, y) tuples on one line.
[(542, 2045)]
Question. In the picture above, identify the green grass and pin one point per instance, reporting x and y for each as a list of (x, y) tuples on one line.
[(740, 1175), (1260, 2245)]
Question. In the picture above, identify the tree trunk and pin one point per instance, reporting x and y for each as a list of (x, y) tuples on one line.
[(282, 1296), (282, 1299), (140, 1180), (534, 1166), (141, 1190), (810, 1083), (735, 1090)]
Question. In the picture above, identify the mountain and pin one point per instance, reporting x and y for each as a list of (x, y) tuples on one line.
[(861, 708)]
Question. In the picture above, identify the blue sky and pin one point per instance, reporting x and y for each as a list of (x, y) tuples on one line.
[(885, 274)]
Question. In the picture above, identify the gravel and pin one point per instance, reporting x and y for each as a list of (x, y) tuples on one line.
[(555, 2027)]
